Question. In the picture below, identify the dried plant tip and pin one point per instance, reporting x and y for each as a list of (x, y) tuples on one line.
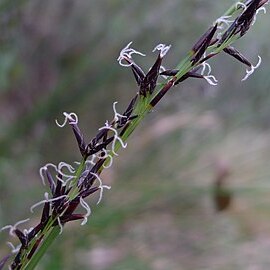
[(252, 69), (71, 118), (125, 55), (163, 48)]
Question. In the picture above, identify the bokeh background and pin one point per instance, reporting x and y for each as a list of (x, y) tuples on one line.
[(161, 213)]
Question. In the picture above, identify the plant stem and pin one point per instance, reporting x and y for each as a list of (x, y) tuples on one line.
[(54, 232)]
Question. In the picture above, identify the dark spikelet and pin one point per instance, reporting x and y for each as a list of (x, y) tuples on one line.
[(202, 44), (245, 20), (130, 107), (34, 231), (138, 73), (150, 80), (262, 2), (46, 212), (50, 181), (34, 248), (58, 189), (79, 138), (22, 237), (162, 92), (169, 72), (64, 219), (237, 55), (4, 261), (72, 206), (190, 74), (88, 192)]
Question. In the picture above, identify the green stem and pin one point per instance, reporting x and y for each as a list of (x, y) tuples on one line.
[(43, 248)]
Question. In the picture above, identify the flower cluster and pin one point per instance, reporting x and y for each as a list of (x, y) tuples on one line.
[(69, 185)]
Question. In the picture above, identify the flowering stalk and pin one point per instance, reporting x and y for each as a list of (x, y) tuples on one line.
[(70, 185)]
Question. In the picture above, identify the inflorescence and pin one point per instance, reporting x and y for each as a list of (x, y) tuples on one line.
[(69, 185)]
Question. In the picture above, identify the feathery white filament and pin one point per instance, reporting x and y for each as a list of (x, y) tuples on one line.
[(163, 48), (211, 79), (252, 69), (126, 53), (263, 9), (71, 117), (116, 137), (60, 225), (88, 211), (223, 20), (101, 187), (44, 169), (117, 115), (205, 66), (46, 196), (13, 248), (241, 5), (103, 155), (12, 228)]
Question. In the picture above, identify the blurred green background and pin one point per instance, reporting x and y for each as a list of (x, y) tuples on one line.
[(60, 55)]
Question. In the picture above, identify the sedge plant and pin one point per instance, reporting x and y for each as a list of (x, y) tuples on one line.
[(68, 185)]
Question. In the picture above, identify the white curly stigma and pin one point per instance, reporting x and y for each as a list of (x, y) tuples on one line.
[(88, 211), (223, 20), (59, 172), (14, 249), (12, 228), (116, 137), (211, 79), (101, 187), (241, 5), (71, 118), (263, 9), (27, 231), (46, 196), (43, 169), (252, 69), (67, 177), (104, 155), (117, 116), (206, 66), (125, 54), (163, 48), (60, 225)]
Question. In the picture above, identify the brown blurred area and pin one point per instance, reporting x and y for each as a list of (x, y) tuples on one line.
[(60, 55)]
